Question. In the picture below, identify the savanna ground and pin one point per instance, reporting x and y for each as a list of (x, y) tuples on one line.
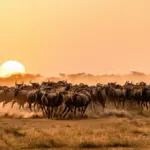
[(113, 129)]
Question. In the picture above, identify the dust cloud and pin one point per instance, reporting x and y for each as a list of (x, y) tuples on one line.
[(15, 112)]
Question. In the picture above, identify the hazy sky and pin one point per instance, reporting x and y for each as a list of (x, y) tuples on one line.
[(70, 36)]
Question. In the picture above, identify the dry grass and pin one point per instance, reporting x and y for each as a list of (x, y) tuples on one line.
[(106, 130), (110, 132)]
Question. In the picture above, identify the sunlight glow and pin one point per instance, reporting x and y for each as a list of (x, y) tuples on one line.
[(11, 67)]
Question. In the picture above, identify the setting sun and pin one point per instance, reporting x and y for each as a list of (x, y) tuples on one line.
[(11, 67)]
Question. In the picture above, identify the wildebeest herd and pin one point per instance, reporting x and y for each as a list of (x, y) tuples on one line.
[(59, 98)]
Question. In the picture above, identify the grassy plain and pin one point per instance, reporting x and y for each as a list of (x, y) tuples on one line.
[(111, 130)]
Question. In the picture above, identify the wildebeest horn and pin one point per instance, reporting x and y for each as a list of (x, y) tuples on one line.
[(15, 82), (30, 82)]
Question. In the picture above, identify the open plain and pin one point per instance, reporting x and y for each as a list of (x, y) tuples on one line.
[(113, 129)]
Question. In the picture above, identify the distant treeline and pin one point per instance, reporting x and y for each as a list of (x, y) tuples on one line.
[(133, 76)]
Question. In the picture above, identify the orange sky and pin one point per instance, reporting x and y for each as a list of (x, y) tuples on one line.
[(70, 36)]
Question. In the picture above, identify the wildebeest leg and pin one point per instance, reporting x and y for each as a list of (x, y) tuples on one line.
[(71, 110), (48, 112), (74, 112), (115, 103), (142, 105), (52, 112), (124, 102), (34, 105), (19, 106), (14, 101), (84, 109), (39, 106), (55, 111), (146, 103), (67, 112), (30, 106), (118, 102), (103, 104), (4, 103), (63, 111), (131, 103), (81, 111), (93, 106), (22, 105), (109, 103), (45, 111)]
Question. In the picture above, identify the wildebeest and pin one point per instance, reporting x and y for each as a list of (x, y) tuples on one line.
[(60, 98), (51, 100)]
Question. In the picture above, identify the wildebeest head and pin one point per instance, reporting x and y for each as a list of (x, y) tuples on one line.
[(27, 87), (68, 86), (112, 84), (16, 92), (19, 85), (44, 83), (35, 85), (50, 83), (99, 85), (142, 83)]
